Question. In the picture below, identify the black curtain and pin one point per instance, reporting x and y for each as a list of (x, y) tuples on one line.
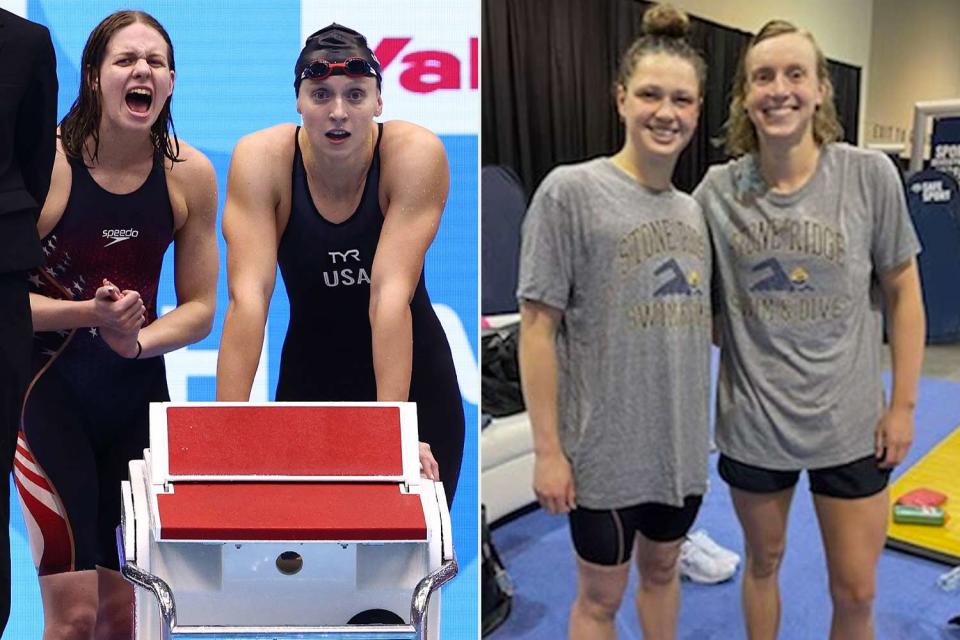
[(846, 85), (549, 68)]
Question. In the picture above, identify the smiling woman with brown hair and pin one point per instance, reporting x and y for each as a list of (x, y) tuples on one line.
[(614, 341)]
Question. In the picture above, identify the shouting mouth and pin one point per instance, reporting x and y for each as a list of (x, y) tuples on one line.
[(139, 100)]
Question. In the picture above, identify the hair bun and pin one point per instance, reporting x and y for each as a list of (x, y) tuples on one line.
[(665, 21)]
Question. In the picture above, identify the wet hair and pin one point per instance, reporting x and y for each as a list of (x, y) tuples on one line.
[(665, 30), (740, 135), (83, 119), (334, 43)]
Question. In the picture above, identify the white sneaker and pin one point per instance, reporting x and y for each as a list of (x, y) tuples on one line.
[(699, 566), (705, 542)]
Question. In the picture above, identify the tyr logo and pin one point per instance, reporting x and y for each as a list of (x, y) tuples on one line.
[(429, 70), (350, 253)]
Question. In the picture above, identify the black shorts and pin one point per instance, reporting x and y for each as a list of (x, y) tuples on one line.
[(857, 479), (605, 536)]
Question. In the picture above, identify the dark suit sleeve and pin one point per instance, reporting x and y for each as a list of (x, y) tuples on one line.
[(37, 123)]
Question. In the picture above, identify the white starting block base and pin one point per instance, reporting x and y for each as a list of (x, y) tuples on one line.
[(200, 583)]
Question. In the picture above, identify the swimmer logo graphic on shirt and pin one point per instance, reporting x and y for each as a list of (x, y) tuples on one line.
[(778, 280), (783, 289), (680, 283), (677, 299)]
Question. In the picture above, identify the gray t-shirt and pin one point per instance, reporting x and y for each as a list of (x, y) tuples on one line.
[(630, 268), (800, 306)]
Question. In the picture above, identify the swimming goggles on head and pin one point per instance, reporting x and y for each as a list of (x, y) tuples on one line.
[(352, 67)]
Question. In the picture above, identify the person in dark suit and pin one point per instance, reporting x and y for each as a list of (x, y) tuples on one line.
[(28, 120)]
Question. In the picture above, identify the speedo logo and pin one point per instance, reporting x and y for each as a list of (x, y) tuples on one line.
[(118, 235)]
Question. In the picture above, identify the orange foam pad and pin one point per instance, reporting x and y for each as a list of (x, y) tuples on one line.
[(290, 511), (295, 441)]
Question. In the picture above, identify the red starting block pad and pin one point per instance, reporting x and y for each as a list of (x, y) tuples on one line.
[(255, 511), (284, 520), (363, 442)]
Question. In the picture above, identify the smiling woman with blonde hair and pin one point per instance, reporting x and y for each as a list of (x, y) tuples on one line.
[(812, 243)]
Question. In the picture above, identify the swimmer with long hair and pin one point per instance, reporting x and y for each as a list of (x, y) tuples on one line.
[(812, 244), (124, 188)]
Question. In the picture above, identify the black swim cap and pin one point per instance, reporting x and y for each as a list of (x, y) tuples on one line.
[(334, 43)]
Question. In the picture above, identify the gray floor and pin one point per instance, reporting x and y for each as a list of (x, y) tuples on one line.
[(939, 361)]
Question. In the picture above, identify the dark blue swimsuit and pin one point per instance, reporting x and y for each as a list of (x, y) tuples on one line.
[(85, 413), (327, 353)]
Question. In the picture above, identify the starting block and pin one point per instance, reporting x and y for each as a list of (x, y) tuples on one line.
[(284, 520)]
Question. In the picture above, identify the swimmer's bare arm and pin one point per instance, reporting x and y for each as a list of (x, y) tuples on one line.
[(103, 310), (553, 478), (417, 180), (907, 327), (195, 260), (250, 229)]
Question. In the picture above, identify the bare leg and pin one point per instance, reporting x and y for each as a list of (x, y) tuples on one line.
[(853, 532), (763, 517), (658, 598), (599, 592), (69, 605), (115, 613)]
